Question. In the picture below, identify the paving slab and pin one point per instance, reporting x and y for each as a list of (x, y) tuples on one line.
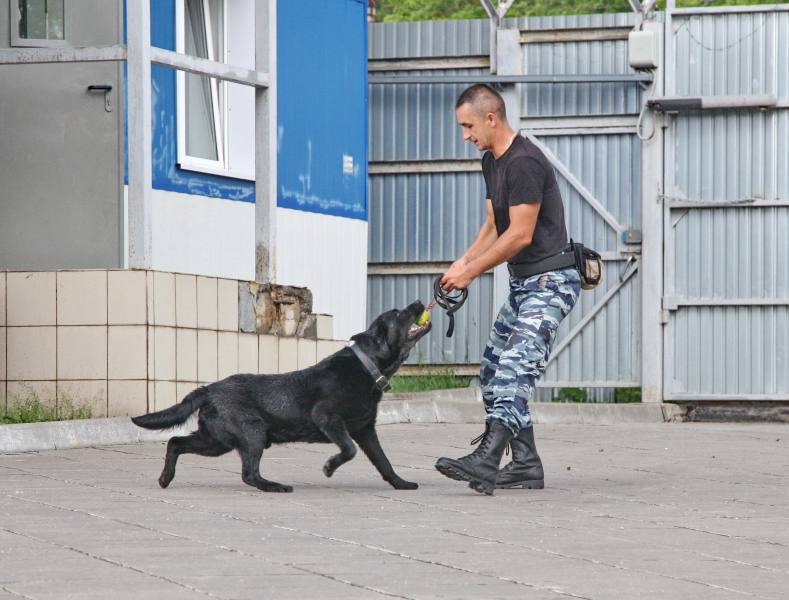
[(630, 510)]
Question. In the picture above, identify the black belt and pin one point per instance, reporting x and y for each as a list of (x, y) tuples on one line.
[(566, 258)]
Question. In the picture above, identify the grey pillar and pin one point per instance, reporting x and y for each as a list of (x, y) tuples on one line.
[(266, 141), (138, 26), (651, 269)]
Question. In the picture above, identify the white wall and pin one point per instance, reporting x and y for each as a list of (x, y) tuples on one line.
[(329, 256), (210, 236), (200, 235), (207, 236)]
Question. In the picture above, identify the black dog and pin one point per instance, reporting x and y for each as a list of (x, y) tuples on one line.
[(333, 401)]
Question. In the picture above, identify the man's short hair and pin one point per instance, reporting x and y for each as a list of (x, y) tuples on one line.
[(483, 100)]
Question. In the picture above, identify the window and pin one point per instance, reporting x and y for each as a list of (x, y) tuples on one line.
[(38, 23), (211, 137)]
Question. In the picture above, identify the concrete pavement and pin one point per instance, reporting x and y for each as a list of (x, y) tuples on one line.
[(639, 510)]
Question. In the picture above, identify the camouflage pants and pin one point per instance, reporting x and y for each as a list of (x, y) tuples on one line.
[(520, 343)]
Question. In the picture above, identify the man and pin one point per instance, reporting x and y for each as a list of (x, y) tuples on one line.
[(525, 227)]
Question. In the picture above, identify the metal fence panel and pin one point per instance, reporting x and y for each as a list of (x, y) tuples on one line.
[(727, 263), (417, 121), (427, 217), (423, 39), (609, 167), (608, 56), (732, 352)]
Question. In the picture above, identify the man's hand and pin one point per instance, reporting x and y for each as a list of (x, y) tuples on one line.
[(458, 276)]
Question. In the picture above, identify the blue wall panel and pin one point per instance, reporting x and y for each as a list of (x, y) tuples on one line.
[(322, 106), (322, 110), (167, 175)]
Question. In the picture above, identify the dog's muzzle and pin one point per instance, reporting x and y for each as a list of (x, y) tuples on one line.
[(417, 331)]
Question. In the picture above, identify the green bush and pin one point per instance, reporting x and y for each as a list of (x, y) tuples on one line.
[(431, 380), (627, 395), (571, 395), (418, 10), (31, 409)]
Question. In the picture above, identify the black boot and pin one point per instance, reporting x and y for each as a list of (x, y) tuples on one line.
[(481, 467), (525, 470)]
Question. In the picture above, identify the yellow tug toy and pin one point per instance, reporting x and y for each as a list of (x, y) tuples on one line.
[(424, 318)]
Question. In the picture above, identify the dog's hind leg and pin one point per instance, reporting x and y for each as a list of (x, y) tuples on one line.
[(334, 428), (198, 442)]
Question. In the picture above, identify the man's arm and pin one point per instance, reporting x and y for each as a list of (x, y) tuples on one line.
[(523, 219)]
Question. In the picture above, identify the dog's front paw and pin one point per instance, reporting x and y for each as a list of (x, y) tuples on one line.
[(281, 488), (329, 468), (402, 484), (165, 478)]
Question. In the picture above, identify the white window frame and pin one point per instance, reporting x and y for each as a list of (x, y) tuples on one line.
[(195, 163), (236, 140)]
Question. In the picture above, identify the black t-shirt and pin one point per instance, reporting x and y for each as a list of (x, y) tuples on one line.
[(522, 175)]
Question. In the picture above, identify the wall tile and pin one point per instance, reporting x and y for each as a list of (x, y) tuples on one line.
[(30, 298), (82, 297)]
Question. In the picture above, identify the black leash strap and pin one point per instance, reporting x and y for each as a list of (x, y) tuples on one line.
[(449, 301)]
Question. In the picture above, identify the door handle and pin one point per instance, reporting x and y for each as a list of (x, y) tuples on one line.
[(106, 88)]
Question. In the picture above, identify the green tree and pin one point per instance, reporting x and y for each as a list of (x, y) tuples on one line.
[(420, 10)]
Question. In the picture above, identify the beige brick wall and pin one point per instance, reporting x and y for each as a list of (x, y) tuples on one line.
[(129, 342)]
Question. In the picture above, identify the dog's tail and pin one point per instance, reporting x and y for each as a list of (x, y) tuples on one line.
[(175, 415)]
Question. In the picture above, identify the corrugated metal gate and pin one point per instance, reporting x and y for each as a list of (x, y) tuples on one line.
[(427, 191), (726, 207), (713, 186)]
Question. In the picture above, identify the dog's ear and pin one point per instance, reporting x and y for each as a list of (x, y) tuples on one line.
[(381, 334), (377, 332)]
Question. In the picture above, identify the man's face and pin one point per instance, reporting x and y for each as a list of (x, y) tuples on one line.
[(476, 128)]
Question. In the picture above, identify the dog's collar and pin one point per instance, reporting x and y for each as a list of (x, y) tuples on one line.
[(381, 382)]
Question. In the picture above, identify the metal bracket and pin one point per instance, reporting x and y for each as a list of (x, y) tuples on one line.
[(642, 8), (496, 14), (631, 236)]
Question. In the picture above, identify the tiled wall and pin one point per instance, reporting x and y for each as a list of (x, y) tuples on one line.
[(127, 342)]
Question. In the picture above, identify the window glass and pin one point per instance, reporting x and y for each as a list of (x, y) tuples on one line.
[(203, 28), (41, 20)]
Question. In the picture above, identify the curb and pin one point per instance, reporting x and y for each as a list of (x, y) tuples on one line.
[(58, 435), (461, 405), (464, 405)]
